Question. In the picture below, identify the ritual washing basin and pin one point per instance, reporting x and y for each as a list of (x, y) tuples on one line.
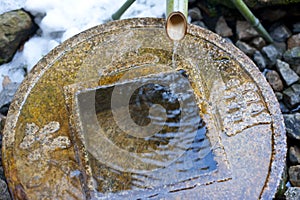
[(121, 111)]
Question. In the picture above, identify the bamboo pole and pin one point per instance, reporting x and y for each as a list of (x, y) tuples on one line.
[(117, 15), (176, 24), (244, 10)]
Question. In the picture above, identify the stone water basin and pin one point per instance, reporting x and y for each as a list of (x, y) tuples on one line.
[(120, 111)]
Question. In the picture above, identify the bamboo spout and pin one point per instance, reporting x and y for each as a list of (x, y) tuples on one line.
[(176, 25)]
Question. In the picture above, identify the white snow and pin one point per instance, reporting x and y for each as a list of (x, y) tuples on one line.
[(60, 20), (7, 5)]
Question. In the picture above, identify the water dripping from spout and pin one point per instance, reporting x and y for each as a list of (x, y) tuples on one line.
[(174, 53)]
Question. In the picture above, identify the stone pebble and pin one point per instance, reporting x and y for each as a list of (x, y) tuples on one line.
[(291, 96), (294, 155), (15, 28), (294, 41), (280, 33), (294, 175), (292, 193), (292, 123), (274, 79), (288, 75)]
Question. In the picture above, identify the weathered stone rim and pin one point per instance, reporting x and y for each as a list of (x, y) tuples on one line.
[(279, 139), (279, 144)]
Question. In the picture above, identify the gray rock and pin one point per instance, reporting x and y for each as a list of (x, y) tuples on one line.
[(289, 76), (258, 42), (294, 174), (296, 27), (283, 107), (222, 28), (280, 33), (259, 60), (281, 48), (274, 80), (291, 96), (8, 92), (271, 53), (15, 27), (294, 155), (244, 47), (279, 96), (292, 56), (296, 69), (200, 23), (245, 31), (294, 41), (292, 193), (195, 14), (292, 124)]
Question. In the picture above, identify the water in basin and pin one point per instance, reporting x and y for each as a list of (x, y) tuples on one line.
[(177, 152)]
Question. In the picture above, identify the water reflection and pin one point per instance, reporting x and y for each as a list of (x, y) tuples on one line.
[(182, 138)]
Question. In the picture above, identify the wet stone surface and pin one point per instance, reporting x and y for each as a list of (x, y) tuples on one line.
[(79, 127), (192, 136)]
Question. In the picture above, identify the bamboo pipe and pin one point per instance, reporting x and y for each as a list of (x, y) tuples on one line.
[(117, 15), (176, 24), (245, 11)]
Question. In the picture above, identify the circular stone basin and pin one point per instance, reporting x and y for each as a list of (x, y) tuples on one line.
[(121, 111)]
